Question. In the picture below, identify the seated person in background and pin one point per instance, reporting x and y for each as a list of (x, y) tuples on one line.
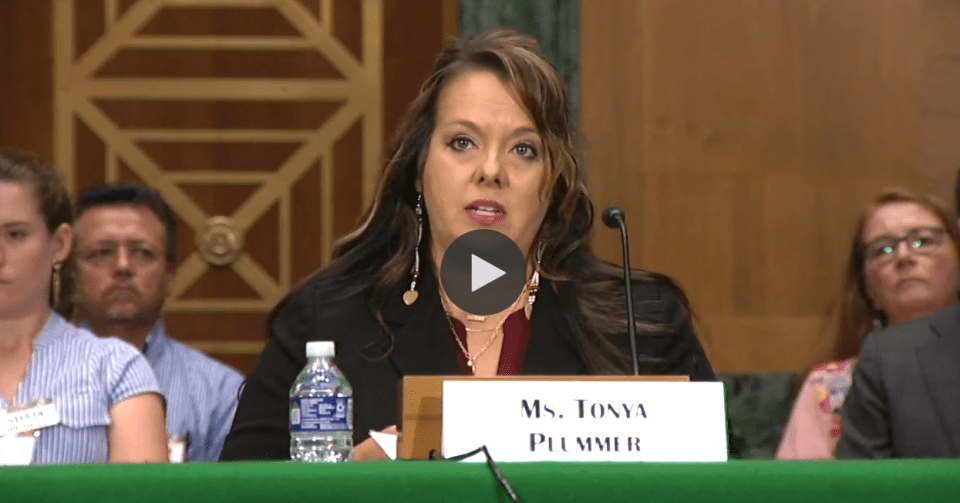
[(488, 144), (902, 266), (106, 400), (905, 398), (127, 256)]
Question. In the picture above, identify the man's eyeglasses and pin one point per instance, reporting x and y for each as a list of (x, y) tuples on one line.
[(921, 240), (108, 255)]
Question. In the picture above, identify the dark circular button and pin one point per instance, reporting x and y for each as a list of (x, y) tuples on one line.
[(483, 272)]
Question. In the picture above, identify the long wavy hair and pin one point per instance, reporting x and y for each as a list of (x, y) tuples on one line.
[(378, 253), (53, 205), (855, 314)]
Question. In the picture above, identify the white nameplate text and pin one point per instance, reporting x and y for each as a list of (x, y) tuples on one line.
[(585, 420)]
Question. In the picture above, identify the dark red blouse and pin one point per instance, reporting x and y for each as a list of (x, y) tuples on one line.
[(516, 332)]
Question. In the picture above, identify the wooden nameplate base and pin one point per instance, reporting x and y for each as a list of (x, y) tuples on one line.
[(421, 407)]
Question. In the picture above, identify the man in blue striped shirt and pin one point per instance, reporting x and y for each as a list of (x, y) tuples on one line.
[(126, 265)]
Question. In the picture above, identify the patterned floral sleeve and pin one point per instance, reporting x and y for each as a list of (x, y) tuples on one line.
[(814, 426)]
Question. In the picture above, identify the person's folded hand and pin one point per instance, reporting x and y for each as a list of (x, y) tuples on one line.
[(369, 450)]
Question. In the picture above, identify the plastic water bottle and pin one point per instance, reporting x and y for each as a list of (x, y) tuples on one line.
[(321, 410)]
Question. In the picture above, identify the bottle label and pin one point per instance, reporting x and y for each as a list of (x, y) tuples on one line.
[(324, 413)]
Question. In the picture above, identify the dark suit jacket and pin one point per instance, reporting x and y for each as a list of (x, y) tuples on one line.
[(423, 345), (905, 397)]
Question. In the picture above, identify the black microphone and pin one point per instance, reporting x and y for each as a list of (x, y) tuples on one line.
[(613, 217)]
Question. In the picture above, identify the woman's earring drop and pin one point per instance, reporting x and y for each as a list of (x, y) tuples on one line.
[(410, 296), (55, 301), (534, 283)]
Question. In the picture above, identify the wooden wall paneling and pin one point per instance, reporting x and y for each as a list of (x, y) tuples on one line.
[(265, 119), (939, 99), (413, 37), (744, 137), (26, 76), (707, 122), (450, 25), (611, 78)]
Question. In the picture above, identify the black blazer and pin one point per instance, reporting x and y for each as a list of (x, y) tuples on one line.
[(905, 396), (423, 346)]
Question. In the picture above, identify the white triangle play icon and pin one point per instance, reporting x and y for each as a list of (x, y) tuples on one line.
[(482, 272)]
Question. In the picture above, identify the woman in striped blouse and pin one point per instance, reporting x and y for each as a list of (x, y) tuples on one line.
[(66, 396)]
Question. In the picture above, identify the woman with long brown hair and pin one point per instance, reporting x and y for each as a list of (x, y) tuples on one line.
[(902, 265), (488, 144), (92, 400)]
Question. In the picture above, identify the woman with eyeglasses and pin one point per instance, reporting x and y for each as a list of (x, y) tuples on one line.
[(66, 396), (903, 265)]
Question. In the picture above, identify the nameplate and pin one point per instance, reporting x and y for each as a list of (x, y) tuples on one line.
[(16, 451), (585, 420)]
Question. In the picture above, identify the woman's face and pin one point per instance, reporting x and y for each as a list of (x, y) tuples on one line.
[(27, 252), (485, 164), (910, 263)]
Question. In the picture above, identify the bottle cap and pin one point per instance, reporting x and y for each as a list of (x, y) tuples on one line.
[(320, 349)]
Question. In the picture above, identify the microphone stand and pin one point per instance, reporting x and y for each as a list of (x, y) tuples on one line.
[(613, 217)]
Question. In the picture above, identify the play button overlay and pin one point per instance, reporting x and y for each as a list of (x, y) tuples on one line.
[(483, 272)]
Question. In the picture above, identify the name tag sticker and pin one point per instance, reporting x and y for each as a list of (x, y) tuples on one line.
[(33, 416), (585, 420), (16, 451)]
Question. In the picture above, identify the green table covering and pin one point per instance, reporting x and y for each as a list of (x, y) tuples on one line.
[(734, 481)]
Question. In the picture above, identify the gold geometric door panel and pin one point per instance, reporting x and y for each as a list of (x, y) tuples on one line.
[(260, 122)]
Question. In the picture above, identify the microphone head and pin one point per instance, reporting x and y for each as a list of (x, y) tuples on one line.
[(612, 216)]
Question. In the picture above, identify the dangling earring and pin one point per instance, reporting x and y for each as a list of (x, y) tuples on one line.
[(410, 296), (534, 283), (55, 300)]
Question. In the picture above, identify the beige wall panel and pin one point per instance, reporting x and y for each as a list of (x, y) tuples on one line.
[(763, 338), (939, 91), (611, 109), (743, 137)]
